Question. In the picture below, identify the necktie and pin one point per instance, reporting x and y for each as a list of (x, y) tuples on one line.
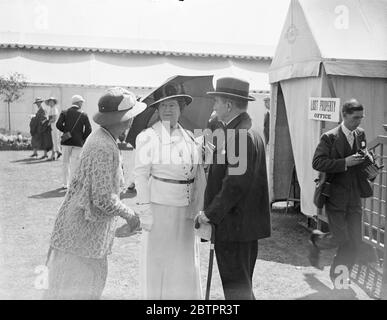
[(351, 138)]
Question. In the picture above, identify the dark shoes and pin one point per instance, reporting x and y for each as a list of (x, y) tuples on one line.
[(58, 155), (34, 155)]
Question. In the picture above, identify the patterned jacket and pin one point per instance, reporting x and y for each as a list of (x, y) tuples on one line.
[(86, 220)]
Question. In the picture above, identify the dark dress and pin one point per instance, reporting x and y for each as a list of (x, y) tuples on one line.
[(43, 131), (35, 136)]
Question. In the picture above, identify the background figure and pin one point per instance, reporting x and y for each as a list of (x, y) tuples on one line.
[(85, 226), (52, 118), (337, 156), (167, 182), (266, 120), (42, 131), (237, 203), (35, 135), (77, 122)]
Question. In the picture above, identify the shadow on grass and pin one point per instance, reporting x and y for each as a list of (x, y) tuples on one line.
[(324, 292), (57, 193), (24, 160), (289, 242)]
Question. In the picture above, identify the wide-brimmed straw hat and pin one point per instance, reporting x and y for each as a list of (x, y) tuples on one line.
[(38, 100), (51, 99), (170, 91), (117, 105), (233, 88)]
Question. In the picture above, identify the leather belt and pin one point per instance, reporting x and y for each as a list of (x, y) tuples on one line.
[(174, 181)]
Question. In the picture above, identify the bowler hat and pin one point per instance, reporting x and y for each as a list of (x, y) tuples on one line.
[(169, 91), (37, 100), (233, 88), (117, 105)]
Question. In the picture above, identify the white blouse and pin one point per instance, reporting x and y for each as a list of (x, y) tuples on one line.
[(167, 155)]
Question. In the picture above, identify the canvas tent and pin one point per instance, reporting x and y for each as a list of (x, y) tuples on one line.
[(326, 49)]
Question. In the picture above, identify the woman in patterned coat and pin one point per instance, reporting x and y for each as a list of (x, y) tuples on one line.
[(84, 229)]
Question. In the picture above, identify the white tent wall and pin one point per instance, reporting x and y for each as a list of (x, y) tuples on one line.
[(304, 136), (63, 73), (100, 69), (24, 107), (372, 93)]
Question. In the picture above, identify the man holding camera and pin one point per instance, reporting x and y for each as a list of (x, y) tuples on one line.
[(341, 154)]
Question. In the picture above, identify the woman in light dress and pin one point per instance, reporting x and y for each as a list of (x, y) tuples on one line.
[(170, 188), (85, 226), (53, 115)]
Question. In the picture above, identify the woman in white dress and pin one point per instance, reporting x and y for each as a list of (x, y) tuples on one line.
[(53, 115), (170, 189)]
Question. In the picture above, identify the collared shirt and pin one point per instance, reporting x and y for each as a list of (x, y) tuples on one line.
[(350, 135), (228, 122)]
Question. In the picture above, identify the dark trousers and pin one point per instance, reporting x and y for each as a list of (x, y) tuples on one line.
[(236, 261), (345, 235)]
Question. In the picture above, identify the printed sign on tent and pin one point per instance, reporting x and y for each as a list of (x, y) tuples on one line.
[(324, 109)]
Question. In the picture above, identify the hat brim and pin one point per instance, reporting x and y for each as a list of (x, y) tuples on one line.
[(46, 101), (188, 99), (109, 118), (226, 94), (38, 101)]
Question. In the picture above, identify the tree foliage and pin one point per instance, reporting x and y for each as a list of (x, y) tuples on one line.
[(11, 87)]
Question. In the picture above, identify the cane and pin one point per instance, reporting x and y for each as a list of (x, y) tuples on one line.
[(210, 262)]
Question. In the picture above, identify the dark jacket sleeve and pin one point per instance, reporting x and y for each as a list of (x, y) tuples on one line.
[(234, 187), (266, 127), (60, 124), (87, 127), (322, 160)]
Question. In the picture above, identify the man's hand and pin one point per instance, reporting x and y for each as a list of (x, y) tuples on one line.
[(200, 218), (354, 160)]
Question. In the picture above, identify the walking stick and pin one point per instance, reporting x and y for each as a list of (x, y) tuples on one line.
[(210, 262)]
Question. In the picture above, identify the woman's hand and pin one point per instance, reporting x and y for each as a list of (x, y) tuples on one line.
[(133, 221), (132, 227)]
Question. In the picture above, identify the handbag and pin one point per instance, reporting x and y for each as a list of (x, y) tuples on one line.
[(67, 135), (322, 190)]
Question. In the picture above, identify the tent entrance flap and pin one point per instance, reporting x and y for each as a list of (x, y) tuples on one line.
[(283, 161)]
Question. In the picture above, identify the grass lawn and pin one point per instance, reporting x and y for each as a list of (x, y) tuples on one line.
[(29, 200)]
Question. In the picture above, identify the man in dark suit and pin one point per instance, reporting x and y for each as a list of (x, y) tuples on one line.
[(337, 155), (236, 197), (77, 122)]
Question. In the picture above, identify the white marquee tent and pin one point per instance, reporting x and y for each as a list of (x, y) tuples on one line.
[(332, 48)]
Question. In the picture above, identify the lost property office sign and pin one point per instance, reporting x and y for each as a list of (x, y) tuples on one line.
[(324, 109)]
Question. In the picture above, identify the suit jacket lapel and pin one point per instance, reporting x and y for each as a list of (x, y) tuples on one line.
[(342, 139)]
